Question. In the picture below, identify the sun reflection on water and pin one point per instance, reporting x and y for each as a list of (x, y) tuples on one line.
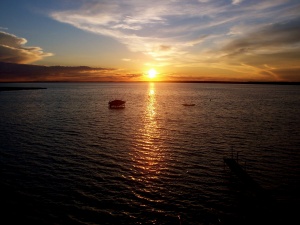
[(151, 103), (148, 156), (152, 154)]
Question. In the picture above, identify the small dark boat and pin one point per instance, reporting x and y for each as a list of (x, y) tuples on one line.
[(185, 104), (116, 104)]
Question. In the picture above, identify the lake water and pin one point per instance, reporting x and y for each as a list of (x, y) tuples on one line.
[(66, 158)]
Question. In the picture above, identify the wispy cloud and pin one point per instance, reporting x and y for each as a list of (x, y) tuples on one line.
[(13, 50), (144, 26), (279, 37), (236, 2), (274, 48), (233, 35)]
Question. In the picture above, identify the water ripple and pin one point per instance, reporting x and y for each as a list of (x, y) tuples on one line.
[(68, 159)]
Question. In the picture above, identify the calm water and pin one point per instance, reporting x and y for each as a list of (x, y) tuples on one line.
[(65, 158)]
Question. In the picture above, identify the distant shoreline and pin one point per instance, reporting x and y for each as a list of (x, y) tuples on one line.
[(222, 82), (20, 88), (205, 82)]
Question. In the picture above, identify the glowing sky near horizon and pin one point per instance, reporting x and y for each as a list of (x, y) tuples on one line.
[(235, 40)]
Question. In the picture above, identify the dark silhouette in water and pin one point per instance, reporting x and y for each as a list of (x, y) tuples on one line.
[(116, 104), (19, 88), (256, 204), (186, 104)]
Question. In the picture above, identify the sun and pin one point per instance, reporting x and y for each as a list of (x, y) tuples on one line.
[(152, 73)]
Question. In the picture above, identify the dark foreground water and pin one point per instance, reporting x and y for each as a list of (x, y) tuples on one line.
[(66, 158)]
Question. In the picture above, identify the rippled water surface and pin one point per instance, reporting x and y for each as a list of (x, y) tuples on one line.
[(66, 158)]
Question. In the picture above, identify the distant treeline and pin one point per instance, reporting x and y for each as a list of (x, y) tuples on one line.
[(20, 88)]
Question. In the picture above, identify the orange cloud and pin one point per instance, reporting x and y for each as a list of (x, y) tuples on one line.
[(12, 50)]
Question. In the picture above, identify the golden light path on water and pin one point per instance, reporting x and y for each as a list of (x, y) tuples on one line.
[(148, 156), (151, 131)]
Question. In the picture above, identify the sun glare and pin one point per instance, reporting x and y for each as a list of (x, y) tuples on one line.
[(152, 73)]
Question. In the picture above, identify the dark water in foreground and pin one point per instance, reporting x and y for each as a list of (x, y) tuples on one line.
[(65, 158)]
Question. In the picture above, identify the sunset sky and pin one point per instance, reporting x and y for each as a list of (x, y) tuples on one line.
[(120, 40)]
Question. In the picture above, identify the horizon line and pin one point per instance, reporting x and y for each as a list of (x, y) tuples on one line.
[(180, 81)]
